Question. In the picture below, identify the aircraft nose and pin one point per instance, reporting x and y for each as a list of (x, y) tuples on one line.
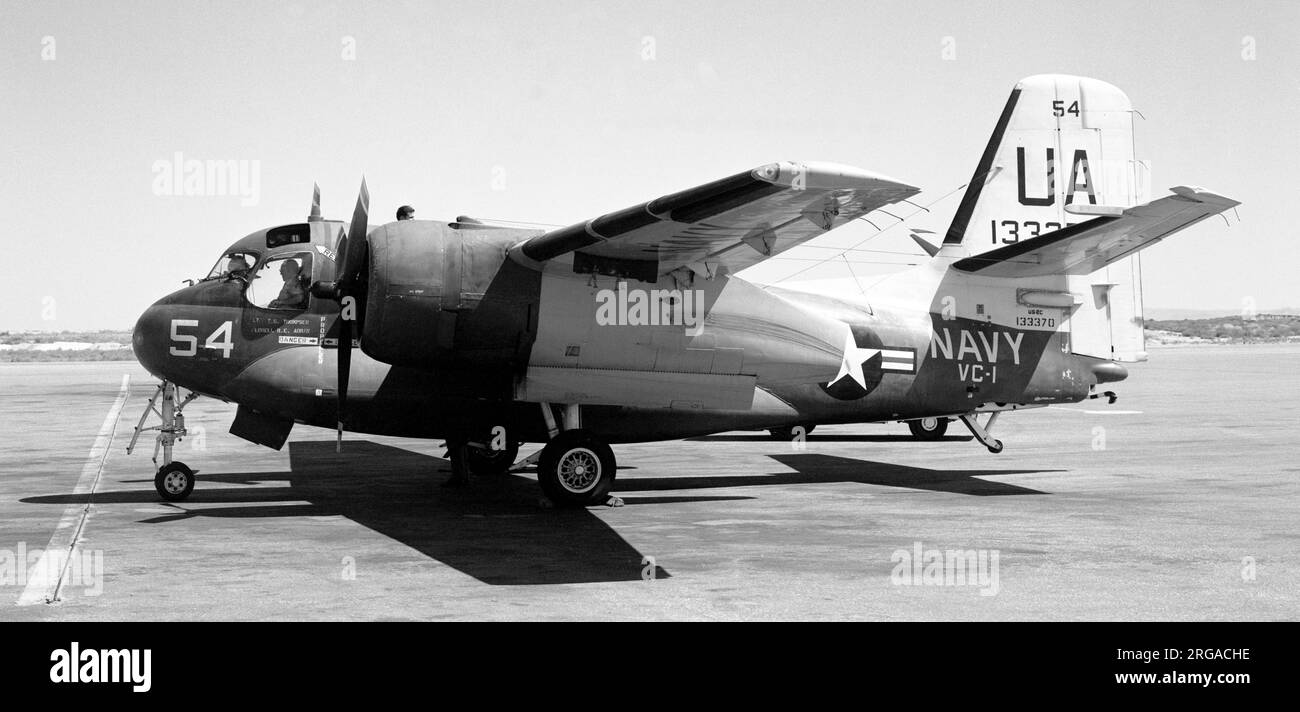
[(149, 340)]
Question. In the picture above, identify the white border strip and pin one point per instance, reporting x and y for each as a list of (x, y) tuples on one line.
[(46, 578)]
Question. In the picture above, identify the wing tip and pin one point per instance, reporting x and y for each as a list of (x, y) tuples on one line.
[(1201, 195), (825, 174)]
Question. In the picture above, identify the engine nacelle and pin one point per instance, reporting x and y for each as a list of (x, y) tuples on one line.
[(439, 296)]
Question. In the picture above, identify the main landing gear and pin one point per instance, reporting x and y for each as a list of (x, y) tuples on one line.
[(575, 468), (174, 480), (928, 429), (483, 460)]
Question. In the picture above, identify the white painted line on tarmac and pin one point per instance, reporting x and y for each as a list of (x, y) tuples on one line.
[(46, 579)]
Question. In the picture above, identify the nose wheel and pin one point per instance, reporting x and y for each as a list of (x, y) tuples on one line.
[(174, 482)]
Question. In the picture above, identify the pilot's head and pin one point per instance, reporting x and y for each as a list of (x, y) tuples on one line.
[(237, 264), (289, 269), (405, 212)]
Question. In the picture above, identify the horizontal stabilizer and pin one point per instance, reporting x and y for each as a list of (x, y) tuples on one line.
[(1088, 246)]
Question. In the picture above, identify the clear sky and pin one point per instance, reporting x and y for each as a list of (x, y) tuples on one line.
[(556, 112)]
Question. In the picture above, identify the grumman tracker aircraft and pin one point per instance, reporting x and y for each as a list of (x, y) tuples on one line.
[(633, 326)]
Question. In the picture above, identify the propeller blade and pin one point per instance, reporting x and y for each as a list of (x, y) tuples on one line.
[(315, 204), (340, 250), (355, 250), (348, 287), (344, 373)]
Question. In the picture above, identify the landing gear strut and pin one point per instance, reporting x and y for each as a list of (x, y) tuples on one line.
[(981, 432), (174, 480)]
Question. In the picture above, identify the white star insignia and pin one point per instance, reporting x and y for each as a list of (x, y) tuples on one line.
[(854, 357)]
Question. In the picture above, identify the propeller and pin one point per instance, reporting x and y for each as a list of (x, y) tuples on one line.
[(348, 289)]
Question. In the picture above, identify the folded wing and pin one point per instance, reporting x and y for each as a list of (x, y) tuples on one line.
[(737, 221)]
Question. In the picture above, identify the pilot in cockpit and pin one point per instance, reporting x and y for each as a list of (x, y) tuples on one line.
[(237, 265), (293, 294)]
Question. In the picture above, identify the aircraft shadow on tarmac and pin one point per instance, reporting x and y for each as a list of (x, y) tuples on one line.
[(496, 531), (828, 438), (820, 469)]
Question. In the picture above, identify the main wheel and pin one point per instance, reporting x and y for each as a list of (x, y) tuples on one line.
[(174, 481), (928, 428), (787, 433), (576, 469), (484, 461)]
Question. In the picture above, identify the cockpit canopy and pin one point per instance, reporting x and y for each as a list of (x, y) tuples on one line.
[(233, 263), (277, 266)]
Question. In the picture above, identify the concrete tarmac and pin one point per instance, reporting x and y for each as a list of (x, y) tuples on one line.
[(1179, 502)]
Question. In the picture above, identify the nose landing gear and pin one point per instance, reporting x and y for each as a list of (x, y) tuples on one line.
[(174, 480)]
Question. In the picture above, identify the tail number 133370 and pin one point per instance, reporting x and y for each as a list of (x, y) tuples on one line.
[(188, 344)]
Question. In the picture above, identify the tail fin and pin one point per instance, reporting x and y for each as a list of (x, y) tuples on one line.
[(1063, 140), (1060, 140)]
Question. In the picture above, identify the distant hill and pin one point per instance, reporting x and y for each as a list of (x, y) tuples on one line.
[(1261, 328), (45, 346), (1175, 314)]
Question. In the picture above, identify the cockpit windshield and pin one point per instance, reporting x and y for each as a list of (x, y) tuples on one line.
[(283, 282), (237, 264)]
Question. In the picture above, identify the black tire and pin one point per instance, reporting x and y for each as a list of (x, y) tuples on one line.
[(174, 482), (787, 433), (928, 428), (565, 469), (996, 447), (483, 461)]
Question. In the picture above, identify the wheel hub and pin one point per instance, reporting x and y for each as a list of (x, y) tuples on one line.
[(175, 482), (579, 470)]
